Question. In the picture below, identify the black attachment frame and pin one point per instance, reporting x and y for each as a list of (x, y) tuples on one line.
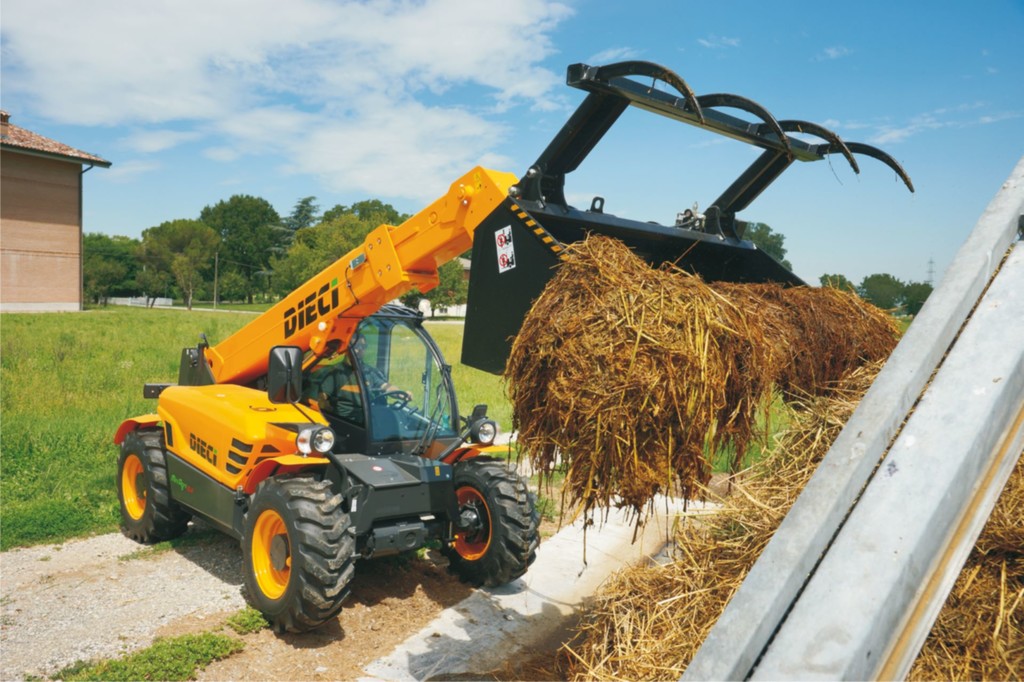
[(613, 88), (535, 223)]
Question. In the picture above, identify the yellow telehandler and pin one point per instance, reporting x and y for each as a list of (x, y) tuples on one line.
[(327, 429)]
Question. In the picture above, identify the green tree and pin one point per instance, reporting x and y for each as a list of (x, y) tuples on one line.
[(182, 248), (108, 266), (334, 213), (100, 275), (187, 274), (369, 210), (316, 248), (303, 215), (231, 286), (378, 212), (342, 229), (883, 290), (452, 289), (249, 231), (152, 283), (837, 282), (914, 296), (768, 241)]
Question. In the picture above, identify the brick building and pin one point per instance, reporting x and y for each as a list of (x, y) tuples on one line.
[(40, 220)]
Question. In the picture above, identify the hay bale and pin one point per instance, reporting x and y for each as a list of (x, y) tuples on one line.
[(979, 633), (649, 621), (614, 366), (628, 377), (818, 334)]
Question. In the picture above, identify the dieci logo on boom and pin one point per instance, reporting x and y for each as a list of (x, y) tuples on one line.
[(312, 308)]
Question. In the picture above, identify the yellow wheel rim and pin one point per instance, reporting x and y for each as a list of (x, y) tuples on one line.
[(272, 580), (132, 487), (472, 547)]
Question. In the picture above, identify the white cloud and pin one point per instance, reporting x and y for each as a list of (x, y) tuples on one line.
[(409, 150), (716, 42), (224, 154), (999, 118), (612, 55), (939, 119), (834, 52), (406, 87), (150, 141), (124, 62), (272, 128), (126, 171)]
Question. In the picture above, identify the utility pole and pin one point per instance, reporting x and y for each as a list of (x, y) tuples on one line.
[(216, 264)]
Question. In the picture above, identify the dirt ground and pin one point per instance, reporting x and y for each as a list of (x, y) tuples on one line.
[(101, 597), (391, 599), (105, 596)]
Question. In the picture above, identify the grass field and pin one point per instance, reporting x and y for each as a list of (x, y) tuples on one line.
[(67, 380)]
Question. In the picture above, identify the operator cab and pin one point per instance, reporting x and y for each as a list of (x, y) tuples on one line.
[(390, 391)]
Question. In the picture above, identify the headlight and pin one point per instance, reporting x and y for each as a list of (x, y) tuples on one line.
[(484, 431), (318, 439)]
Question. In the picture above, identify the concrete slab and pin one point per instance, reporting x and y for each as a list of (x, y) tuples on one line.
[(766, 596), (496, 625)]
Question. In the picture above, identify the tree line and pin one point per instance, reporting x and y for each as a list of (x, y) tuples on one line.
[(241, 250), (880, 289)]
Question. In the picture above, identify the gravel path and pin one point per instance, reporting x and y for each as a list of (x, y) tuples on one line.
[(91, 598), (105, 596)]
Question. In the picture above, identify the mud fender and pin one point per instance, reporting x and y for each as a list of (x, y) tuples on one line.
[(129, 425)]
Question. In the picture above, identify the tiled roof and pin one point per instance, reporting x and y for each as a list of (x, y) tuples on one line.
[(16, 137)]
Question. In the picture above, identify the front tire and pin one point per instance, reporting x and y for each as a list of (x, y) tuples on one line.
[(298, 551), (148, 514), (503, 542)]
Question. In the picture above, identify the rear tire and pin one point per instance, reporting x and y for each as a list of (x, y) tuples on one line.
[(148, 514), (298, 550), (504, 544)]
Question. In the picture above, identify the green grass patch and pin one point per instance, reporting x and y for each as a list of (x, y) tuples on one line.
[(238, 307), (549, 497), (247, 621), (176, 658), (769, 422), (68, 380), (473, 385)]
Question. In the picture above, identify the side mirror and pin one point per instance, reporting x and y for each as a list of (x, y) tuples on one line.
[(284, 374)]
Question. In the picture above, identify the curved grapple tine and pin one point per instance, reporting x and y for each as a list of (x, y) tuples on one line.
[(876, 153), (835, 142), (721, 99), (657, 72)]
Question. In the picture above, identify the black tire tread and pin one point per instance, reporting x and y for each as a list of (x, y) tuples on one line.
[(323, 549), (164, 519), (514, 518)]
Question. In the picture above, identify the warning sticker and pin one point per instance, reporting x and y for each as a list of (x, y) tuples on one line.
[(506, 252)]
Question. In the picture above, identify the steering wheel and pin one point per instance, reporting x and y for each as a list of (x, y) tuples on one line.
[(400, 398), (333, 379)]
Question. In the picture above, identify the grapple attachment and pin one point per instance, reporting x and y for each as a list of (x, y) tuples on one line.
[(516, 248)]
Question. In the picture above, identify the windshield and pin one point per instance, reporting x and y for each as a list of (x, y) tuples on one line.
[(390, 381)]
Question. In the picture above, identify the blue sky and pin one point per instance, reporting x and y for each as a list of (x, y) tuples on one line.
[(193, 102)]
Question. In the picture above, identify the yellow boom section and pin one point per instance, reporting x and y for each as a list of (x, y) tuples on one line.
[(390, 262)]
